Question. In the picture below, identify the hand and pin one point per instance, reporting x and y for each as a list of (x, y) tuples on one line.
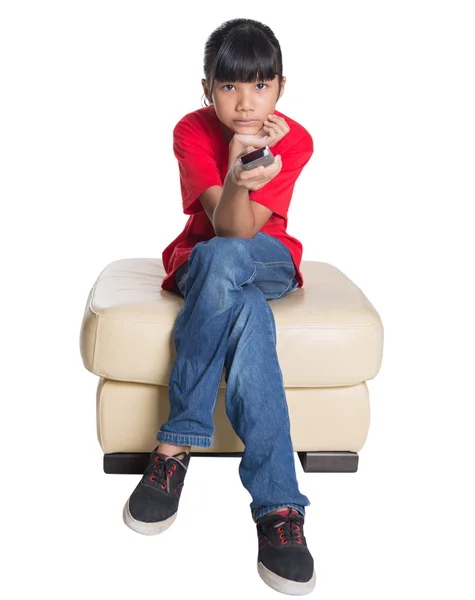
[(253, 179), (272, 132)]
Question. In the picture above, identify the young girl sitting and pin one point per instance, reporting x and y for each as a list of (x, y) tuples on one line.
[(233, 256)]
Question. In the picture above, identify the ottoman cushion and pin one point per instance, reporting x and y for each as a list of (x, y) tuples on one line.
[(328, 333)]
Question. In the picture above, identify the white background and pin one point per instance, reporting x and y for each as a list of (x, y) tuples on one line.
[(90, 93)]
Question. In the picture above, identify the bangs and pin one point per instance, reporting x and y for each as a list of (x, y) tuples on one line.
[(246, 57)]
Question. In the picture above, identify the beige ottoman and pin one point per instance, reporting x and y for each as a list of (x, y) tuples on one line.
[(329, 343)]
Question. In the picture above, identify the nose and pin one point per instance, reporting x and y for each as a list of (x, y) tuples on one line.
[(244, 102)]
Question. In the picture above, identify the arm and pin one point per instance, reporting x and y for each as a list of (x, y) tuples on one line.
[(236, 215), (210, 199), (233, 215)]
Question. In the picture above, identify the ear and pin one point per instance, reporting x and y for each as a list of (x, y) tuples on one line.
[(206, 90), (284, 79)]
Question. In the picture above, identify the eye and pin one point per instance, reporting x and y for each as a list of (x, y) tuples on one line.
[(231, 85)]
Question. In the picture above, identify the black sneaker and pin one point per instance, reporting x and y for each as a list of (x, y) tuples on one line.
[(153, 505), (284, 561)]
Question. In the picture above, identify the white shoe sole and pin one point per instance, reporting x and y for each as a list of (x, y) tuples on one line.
[(286, 586), (146, 528)]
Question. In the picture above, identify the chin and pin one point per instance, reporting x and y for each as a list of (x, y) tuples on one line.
[(252, 129)]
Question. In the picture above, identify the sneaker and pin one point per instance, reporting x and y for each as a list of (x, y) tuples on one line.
[(284, 561), (153, 505)]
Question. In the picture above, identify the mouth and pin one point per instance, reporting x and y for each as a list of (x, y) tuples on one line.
[(248, 122)]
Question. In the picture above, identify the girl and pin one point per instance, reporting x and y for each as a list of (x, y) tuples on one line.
[(233, 256)]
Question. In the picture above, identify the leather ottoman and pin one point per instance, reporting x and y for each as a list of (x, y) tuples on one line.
[(329, 344)]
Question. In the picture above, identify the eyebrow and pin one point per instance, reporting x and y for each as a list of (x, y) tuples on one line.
[(251, 82)]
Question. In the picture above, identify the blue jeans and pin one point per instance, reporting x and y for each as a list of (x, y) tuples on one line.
[(227, 322)]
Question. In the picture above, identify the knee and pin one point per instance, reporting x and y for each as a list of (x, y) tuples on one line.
[(226, 251)]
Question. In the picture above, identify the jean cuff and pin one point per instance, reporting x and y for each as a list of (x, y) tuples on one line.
[(184, 439)]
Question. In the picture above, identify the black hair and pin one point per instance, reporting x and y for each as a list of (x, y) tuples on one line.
[(242, 50)]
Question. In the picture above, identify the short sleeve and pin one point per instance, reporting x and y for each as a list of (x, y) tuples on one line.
[(197, 165), (277, 194)]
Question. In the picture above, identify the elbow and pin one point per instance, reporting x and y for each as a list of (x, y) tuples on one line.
[(222, 233), (219, 231), (234, 234), (246, 232), (245, 229)]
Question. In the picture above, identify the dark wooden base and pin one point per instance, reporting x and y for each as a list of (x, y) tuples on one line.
[(312, 462), (329, 462)]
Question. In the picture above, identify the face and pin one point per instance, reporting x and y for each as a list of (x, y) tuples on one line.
[(235, 102)]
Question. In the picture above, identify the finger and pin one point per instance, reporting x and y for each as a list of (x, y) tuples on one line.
[(272, 134), (272, 126), (275, 134), (277, 163), (280, 121), (277, 119), (247, 174)]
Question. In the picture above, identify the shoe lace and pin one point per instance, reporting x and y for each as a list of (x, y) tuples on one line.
[(162, 467), (289, 529)]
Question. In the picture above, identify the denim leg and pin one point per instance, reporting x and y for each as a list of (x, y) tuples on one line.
[(201, 332), (226, 321), (256, 406)]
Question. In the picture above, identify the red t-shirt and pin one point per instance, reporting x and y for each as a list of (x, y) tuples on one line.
[(203, 152)]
